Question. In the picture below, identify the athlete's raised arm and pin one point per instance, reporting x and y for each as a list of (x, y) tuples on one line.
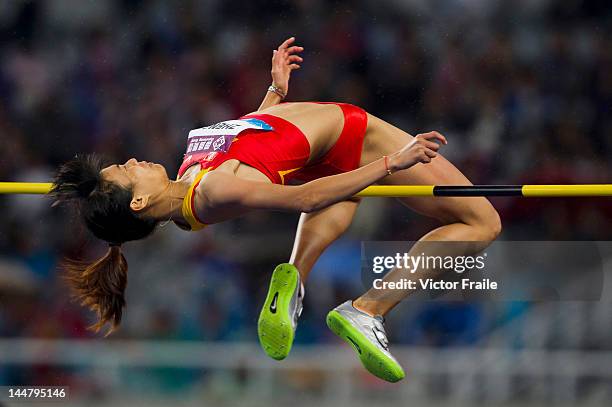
[(224, 196), (284, 60)]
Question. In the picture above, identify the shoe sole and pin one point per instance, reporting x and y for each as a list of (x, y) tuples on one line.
[(375, 361), (274, 328)]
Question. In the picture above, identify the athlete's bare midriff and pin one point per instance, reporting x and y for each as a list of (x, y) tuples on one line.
[(321, 124)]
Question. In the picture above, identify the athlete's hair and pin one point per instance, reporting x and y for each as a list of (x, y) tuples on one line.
[(105, 209)]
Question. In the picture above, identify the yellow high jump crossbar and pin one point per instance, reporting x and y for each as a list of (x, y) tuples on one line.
[(565, 190)]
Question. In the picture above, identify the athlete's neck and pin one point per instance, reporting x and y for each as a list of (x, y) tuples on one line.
[(170, 203)]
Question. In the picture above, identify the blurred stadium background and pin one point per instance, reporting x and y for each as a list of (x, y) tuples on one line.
[(522, 89)]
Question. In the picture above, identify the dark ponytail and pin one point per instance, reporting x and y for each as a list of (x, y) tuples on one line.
[(100, 286), (105, 210)]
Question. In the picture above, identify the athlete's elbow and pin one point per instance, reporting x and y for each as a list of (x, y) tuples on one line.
[(307, 206), (310, 202)]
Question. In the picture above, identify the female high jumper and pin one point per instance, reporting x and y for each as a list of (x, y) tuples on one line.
[(306, 157)]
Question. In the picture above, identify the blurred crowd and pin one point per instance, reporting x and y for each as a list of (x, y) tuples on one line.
[(522, 90)]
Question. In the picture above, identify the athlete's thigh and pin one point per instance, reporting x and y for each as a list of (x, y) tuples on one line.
[(382, 138), (317, 230)]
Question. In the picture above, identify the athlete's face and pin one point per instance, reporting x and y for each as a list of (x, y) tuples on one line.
[(147, 181)]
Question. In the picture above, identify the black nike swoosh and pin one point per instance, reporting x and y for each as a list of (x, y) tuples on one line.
[(385, 347), (273, 303), (357, 347)]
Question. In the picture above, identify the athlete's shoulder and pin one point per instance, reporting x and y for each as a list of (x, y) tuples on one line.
[(216, 187), (217, 196)]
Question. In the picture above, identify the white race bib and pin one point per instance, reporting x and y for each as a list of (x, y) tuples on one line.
[(218, 137), (230, 128)]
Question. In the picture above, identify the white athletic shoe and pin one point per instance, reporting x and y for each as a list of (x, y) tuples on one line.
[(367, 336)]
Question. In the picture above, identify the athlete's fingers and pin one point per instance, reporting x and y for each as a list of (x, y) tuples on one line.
[(430, 135), (286, 43), (295, 49), (430, 153), (429, 144), (433, 135), (426, 142), (295, 58), (424, 158), (294, 66)]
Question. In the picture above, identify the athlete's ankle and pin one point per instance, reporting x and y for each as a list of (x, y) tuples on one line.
[(359, 306), (303, 274)]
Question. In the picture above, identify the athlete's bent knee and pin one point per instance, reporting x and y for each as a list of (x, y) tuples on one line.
[(489, 224)]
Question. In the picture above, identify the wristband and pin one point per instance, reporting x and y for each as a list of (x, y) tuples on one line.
[(277, 90), (387, 164)]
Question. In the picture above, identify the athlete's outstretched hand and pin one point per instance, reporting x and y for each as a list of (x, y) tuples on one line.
[(420, 150), (285, 60)]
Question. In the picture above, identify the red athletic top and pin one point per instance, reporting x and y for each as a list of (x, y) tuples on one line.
[(282, 153)]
